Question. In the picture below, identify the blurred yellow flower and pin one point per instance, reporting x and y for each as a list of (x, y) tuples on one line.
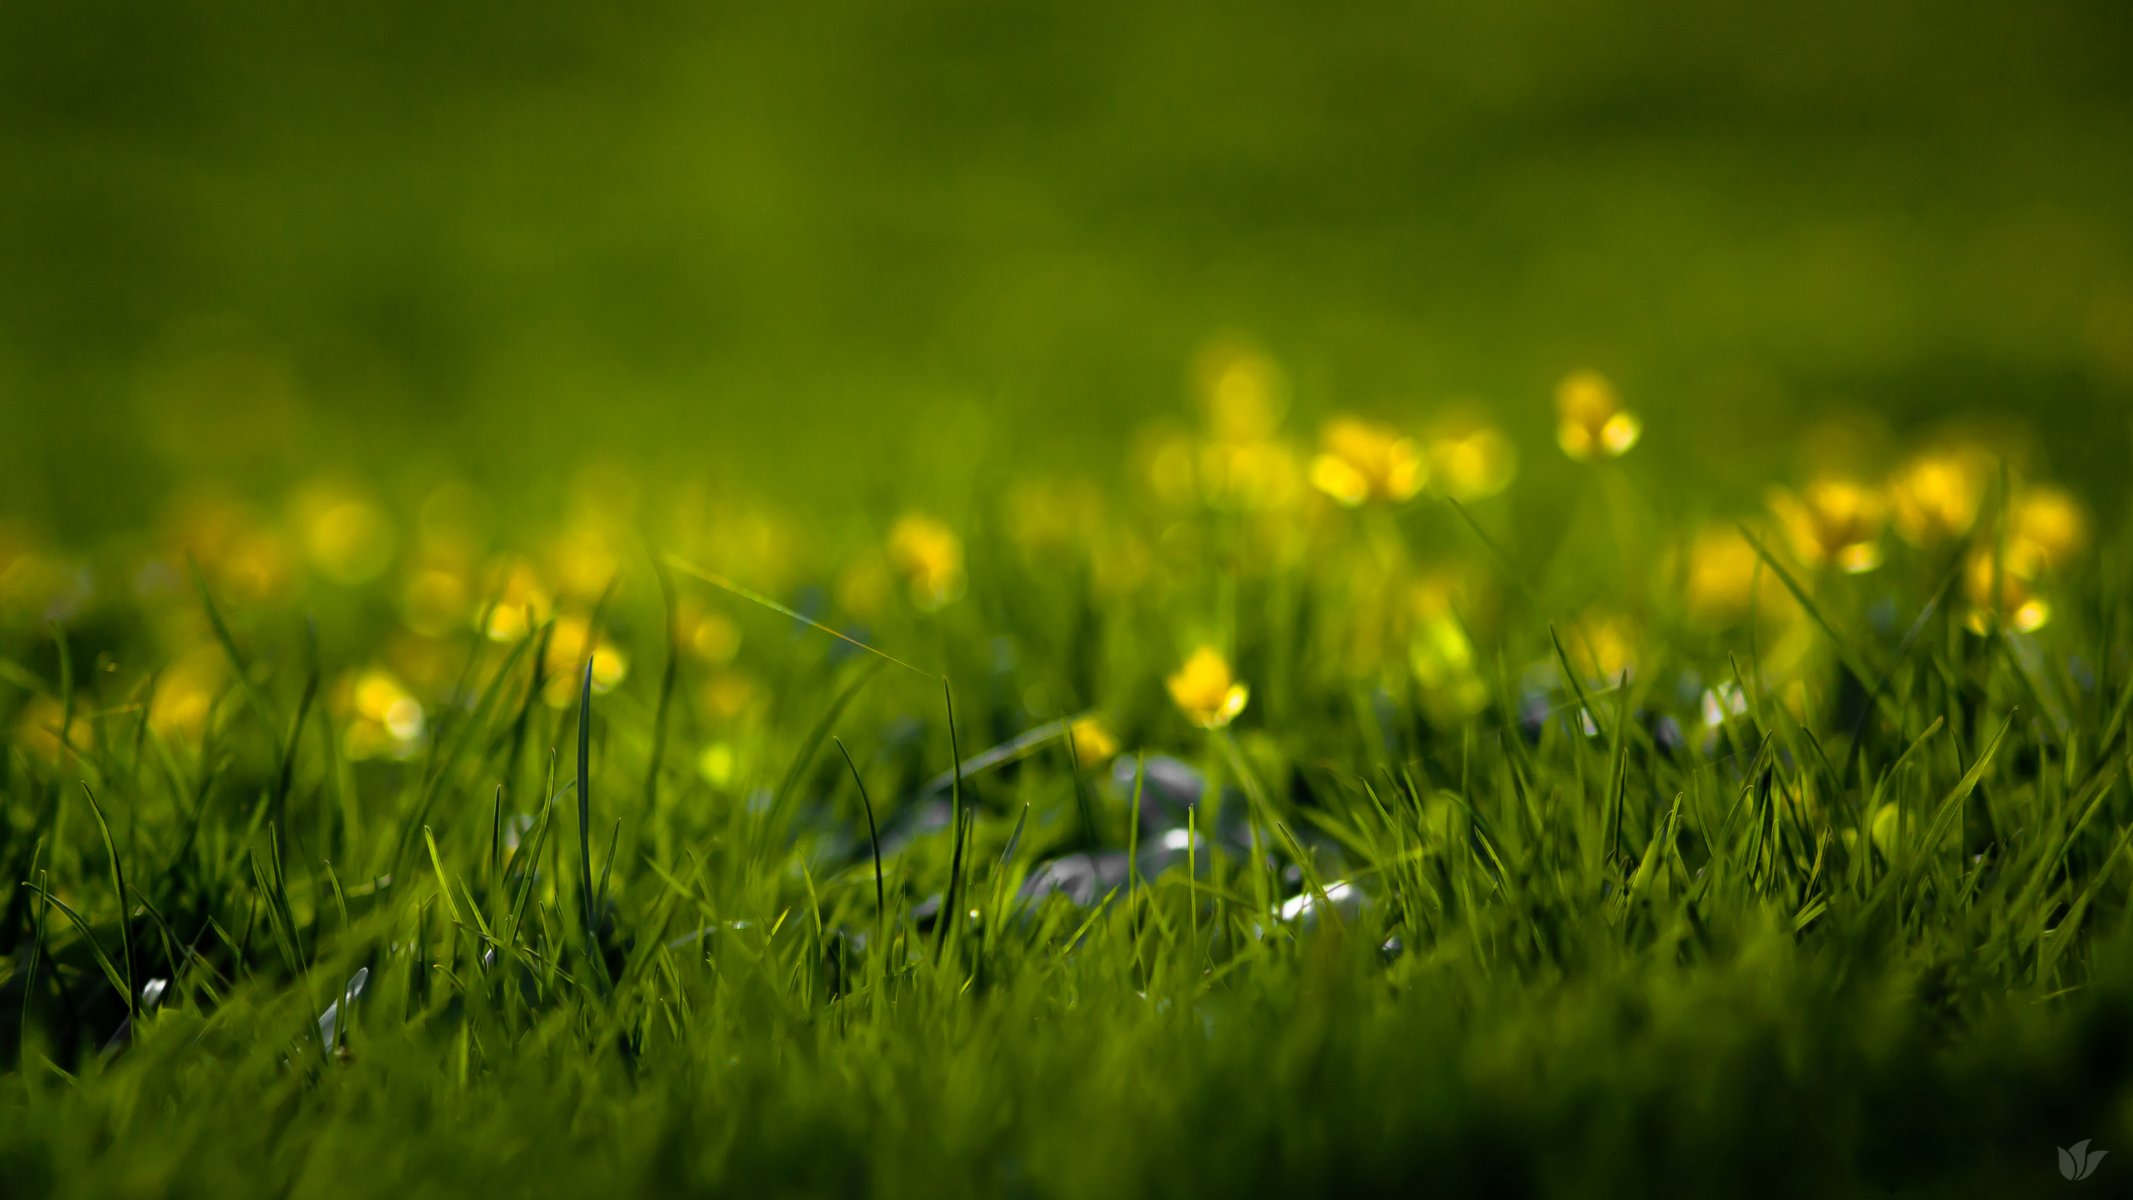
[(1361, 460), (1601, 646), (1833, 521), (246, 562), (185, 695), (1934, 498), (1590, 420), (521, 601), (718, 764), (1471, 460), (706, 633), (38, 726), (570, 641), (583, 559), (1442, 658), (2049, 527), (1241, 390), (1205, 691), (1248, 475), (348, 539), (384, 719), (929, 556), (435, 599), (1093, 743), (2002, 590), (728, 694)]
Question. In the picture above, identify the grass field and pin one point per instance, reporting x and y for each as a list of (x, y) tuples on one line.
[(1186, 606)]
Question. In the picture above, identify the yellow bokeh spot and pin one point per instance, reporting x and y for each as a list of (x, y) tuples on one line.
[(384, 720), (1361, 461), (1590, 420), (2002, 591), (1934, 498), (435, 600), (570, 642), (1093, 742), (1601, 646), (185, 695), (521, 602), (1205, 691), (348, 539), (1241, 389), (2050, 525), (1471, 460), (40, 723), (718, 764), (929, 557), (1834, 522)]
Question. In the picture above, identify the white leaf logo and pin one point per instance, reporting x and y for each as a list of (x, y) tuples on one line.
[(2075, 1161)]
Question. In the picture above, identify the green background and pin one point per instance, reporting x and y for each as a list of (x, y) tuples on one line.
[(827, 248)]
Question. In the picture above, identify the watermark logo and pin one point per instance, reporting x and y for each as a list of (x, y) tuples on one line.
[(2075, 1161)]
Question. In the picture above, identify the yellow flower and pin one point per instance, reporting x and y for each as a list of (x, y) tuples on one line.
[(38, 725), (1934, 497), (929, 556), (435, 599), (707, 633), (583, 559), (185, 695), (1093, 743), (1252, 475), (1206, 692), (349, 539), (2014, 577), (1360, 460), (569, 642), (1601, 647), (2049, 526), (384, 720), (1720, 577), (522, 602), (1241, 389), (1471, 460), (1590, 420), (1833, 521), (1442, 658)]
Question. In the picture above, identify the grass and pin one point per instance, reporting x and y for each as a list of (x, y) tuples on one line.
[(1827, 898)]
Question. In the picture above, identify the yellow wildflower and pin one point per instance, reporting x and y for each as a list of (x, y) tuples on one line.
[(929, 556), (521, 602), (2049, 526), (384, 720), (435, 599), (38, 725), (2014, 578), (1470, 460), (1252, 475), (1719, 580), (1590, 420), (1601, 646), (349, 539), (1934, 498), (1361, 460), (1093, 743), (1833, 521), (1241, 389), (569, 643), (185, 695), (1205, 691)]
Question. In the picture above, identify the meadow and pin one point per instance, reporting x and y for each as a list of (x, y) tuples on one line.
[(1186, 604)]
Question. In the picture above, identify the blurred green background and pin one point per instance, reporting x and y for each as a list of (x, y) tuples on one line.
[(831, 248)]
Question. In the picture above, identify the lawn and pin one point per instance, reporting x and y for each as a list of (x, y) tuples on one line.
[(1210, 602)]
